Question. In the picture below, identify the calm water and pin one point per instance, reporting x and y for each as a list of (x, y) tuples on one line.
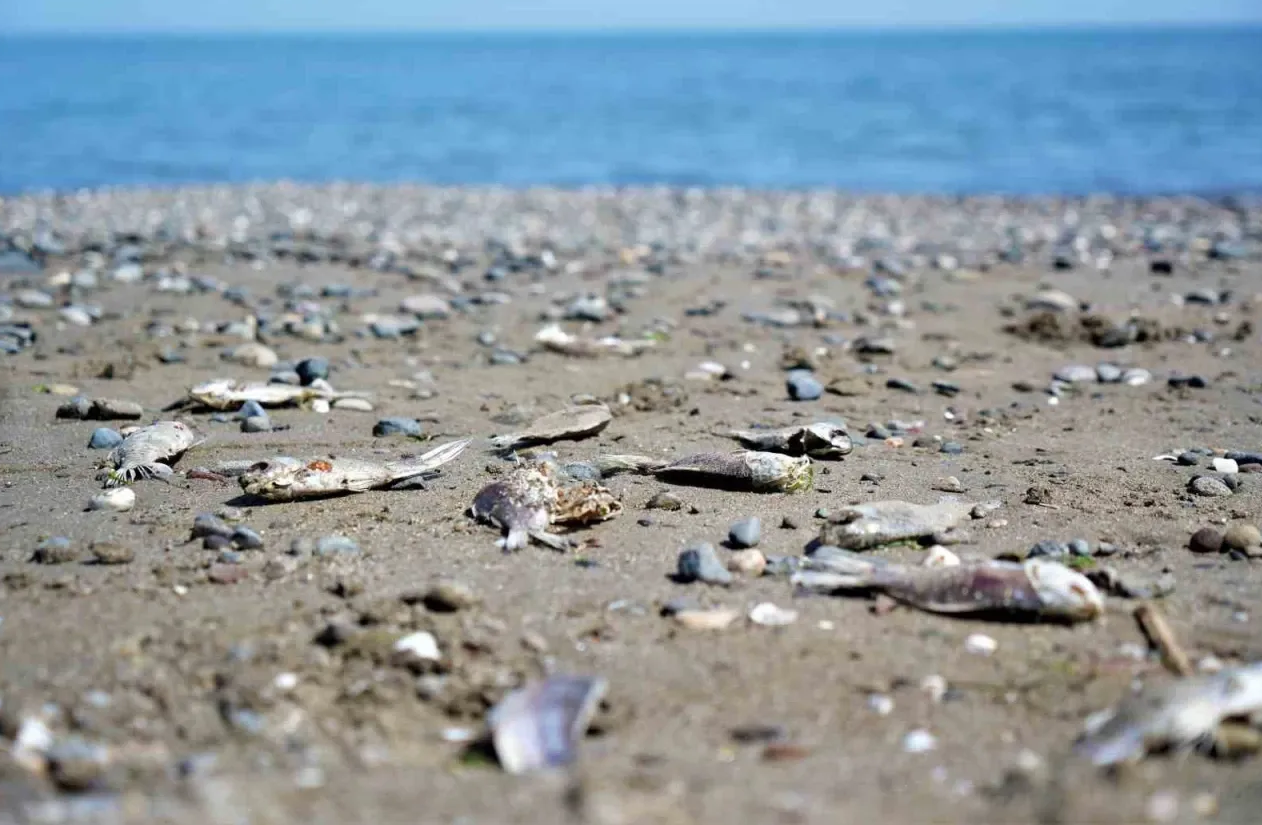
[(958, 112)]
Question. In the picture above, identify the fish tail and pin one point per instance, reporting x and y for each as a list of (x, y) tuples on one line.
[(516, 539), (632, 463), (432, 460)]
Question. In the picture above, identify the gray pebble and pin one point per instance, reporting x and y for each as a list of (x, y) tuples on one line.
[(1047, 549), (287, 377), (54, 550), (951, 448), (745, 533), (1244, 457), (1076, 374), (335, 545), (504, 358), (1136, 377), (311, 369), (803, 386), (207, 524), (250, 409), (246, 539), (1189, 459), (700, 562), (581, 471), (902, 385), (103, 438), (229, 557), (1208, 486), (256, 424), (216, 542), (397, 426), (1108, 373), (76, 408), (1079, 547)]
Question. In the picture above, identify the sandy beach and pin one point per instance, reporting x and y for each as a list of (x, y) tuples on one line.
[(179, 682)]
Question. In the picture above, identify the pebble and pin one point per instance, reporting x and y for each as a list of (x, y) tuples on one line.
[(312, 369), (951, 448), (939, 556), (334, 545), (980, 644), (749, 562), (769, 615), (1076, 374), (449, 596), (1047, 549), (719, 618), (1188, 459), (352, 404), (246, 539), (118, 500), (882, 704), (1208, 486), (665, 501), (1206, 540), (250, 409), (54, 550), (426, 307), (227, 573), (745, 533), (256, 424), (1162, 806), (397, 426), (1108, 373), (419, 645), (208, 524), (1079, 547), (1136, 377), (700, 562), (919, 741), (1242, 537), (582, 471), (252, 355), (75, 765), (949, 484), (803, 386), (934, 686), (1225, 465), (109, 552), (103, 438)]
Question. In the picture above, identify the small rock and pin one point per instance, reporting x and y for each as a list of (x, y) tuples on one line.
[(397, 426), (246, 539), (257, 424), (103, 438), (1108, 373), (108, 552), (1076, 374), (55, 550), (420, 645), (881, 704), (449, 596), (312, 369), (426, 307), (227, 574), (114, 409), (749, 562), (250, 409), (1079, 547), (769, 615), (335, 545), (745, 533), (1242, 537), (118, 500), (1136, 377), (206, 524), (75, 765), (919, 741), (582, 471), (803, 386), (279, 568), (1047, 549), (700, 562), (951, 448), (1038, 495), (1208, 486), (665, 501), (1225, 465), (1206, 540), (714, 619), (76, 408), (949, 484), (252, 355), (980, 644), (939, 556), (1188, 459), (353, 404)]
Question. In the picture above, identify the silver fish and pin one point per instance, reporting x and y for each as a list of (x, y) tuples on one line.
[(884, 522), (289, 479), (742, 470), (230, 394), (148, 452), (539, 726), (571, 423), (819, 440), (1031, 590), (1176, 714), (532, 498)]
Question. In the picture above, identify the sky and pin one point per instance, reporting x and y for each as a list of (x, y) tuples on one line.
[(438, 15)]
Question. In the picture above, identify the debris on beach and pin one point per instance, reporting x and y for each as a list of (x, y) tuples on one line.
[(741, 470), (865, 526), (820, 440), (1031, 590), (553, 338), (569, 424), (229, 394), (148, 452), (100, 409), (540, 725), (1174, 715), (288, 479), (532, 497)]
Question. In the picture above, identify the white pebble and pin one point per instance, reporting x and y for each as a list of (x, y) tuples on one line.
[(769, 615), (919, 741), (934, 685), (355, 404), (939, 556), (285, 682), (422, 645), (882, 704), (119, 499), (320, 405), (981, 644), (1226, 465)]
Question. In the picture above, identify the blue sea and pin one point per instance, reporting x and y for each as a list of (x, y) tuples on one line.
[(1022, 112)]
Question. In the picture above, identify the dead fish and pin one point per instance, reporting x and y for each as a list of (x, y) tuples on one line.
[(289, 479), (742, 470), (1036, 589), (148, 452), (539, 726), (531, 499), (883, 522), (571, 423), (554, 338), (230, 394), (818, 440), (1176, 714)]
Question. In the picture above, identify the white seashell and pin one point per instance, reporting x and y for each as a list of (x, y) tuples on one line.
[(422, 645), (769, 615), (119, 499)]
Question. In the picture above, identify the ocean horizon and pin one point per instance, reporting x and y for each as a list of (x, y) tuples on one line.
[(953, 111)]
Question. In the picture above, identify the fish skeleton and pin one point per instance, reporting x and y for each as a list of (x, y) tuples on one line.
[(1176, 714), (149, 452), (1032, 590), (289, 479), (883, 522), (531, 499), (742, 470)]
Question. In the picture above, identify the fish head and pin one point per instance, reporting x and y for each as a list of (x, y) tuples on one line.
[(827, 441), (272, 478), (1063, 592)]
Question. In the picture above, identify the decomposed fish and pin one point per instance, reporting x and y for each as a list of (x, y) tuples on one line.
[(820, 440), (539, 726), (230, 394), (571, 423), (742, 470), (531, 498), (148, 452), (1175, 714), (883, 522), (558, 340), (1033, 590), (289, 479)]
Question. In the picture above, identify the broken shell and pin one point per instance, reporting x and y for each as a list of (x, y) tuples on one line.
[(117, 499), (719, 618), (539, 726)]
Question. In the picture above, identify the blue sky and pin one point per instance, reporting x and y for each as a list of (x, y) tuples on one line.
[(289, 15)]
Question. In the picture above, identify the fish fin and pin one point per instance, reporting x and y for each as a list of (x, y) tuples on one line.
[(551, 540), (633, 463), (126, 475), (437, 457)]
